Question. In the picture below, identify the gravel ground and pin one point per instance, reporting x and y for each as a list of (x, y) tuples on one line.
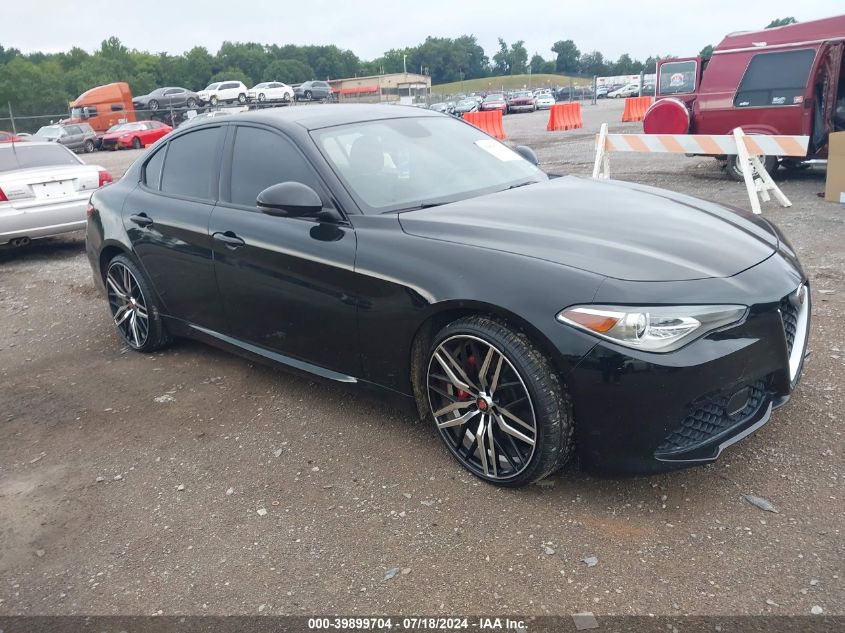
[(194, 482)]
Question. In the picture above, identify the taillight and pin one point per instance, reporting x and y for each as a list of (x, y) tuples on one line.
[(105, 177), (3, 197), (89, 210)]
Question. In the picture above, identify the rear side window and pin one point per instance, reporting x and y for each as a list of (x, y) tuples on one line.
[(152, 170), (262, 158), (775, 79), (191, 165), (678, 77)]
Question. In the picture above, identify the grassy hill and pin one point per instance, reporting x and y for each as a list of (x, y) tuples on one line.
[(508, 82)]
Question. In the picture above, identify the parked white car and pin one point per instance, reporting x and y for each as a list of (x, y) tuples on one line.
[(224, 92), (545, 100), (44, 190), (628, 90), (270, 91)]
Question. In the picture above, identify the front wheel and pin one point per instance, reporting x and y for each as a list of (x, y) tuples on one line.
[(734, 171), (213, 101), (497, 402), (153, 105), (133, 307), (136, 143), (308, 95), (261, 98)]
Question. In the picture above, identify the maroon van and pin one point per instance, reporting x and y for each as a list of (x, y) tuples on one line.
[(783, 80)]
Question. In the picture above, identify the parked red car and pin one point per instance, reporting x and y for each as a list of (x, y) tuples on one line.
[(495, 101), (522, 101), (9, 137), (137, 135), (785, 80)]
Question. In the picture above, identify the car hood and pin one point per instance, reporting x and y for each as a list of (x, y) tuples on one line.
[(611, 228), (116, 135)]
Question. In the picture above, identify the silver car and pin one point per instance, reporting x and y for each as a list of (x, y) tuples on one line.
[(79, 137), (44, 190)]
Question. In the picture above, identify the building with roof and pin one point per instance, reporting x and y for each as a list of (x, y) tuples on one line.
[(404, 88)]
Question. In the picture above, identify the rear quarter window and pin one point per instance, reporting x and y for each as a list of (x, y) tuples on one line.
[(775, 79), (678, 77)]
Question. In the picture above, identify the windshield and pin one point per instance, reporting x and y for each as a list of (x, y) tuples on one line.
[(468, 103), (260, 86), (22, 156), (494, 98), (50, 131), (398, 164), (213, 86)]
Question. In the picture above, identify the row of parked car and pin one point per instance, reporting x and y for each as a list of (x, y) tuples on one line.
[(81, 137), (506, 102), (220, 92)]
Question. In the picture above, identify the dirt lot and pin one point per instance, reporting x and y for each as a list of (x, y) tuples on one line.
[(97, 442)]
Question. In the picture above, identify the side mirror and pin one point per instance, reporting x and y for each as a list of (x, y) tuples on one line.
[(527, 153), (289, 199)]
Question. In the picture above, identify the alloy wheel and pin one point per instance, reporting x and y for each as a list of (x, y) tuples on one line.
[(128, 305), (482, 407)]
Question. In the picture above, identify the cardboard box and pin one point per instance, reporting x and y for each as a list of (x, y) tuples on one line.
[(834, 190)]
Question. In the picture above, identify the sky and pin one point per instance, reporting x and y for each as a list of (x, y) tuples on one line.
[(370, 27)]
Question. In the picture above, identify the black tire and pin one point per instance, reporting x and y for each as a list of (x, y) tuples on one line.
[(153, 335), (213, 100), (261, 97), (523, 370), (89, 146), (732, 166), (242, 98), (191, 103), (286, 98), (136, 143), (307, 95), (152, 105)]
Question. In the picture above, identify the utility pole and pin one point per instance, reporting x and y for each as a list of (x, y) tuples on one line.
[(404, 64), (12, 117)]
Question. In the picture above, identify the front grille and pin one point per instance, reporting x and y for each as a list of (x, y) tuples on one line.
[(789, 314), (711, 419)]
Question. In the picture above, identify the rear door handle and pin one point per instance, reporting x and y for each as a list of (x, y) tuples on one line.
[(229, 239), (141, 219)]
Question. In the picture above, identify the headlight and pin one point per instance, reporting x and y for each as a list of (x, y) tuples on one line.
[(652, 329)]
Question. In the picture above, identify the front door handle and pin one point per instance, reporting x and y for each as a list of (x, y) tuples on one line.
[(229, 239), (141, 219)]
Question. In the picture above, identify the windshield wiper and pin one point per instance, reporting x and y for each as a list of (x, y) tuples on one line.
[(417, 207), (522, 184)]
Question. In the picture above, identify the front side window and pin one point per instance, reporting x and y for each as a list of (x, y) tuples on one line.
[(262, 158), (191, 165), (775, 79), (396, 164), (678, 77)]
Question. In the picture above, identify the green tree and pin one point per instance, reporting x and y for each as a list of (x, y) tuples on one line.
[(781, 22), (519, 58), (537, 64), (706, 52), (290, 71), (592, 64), (502, 59), (567, 56)]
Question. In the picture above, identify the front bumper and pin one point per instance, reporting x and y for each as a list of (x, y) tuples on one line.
[(638, 412), (520, 106)]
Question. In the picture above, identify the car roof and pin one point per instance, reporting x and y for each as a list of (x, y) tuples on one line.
[(18, 144), (315, 117)]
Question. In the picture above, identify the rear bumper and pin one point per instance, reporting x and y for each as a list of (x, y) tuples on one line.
[(42, 220)]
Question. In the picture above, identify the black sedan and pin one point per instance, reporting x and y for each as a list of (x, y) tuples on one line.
[(166, 99), (529, 319)]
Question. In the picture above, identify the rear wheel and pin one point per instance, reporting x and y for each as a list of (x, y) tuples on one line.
[(192, 103), (242, 98), (497, 402), (134, 311), (735, 172), (89, 146)]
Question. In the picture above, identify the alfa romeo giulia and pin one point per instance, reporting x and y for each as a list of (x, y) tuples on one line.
[(530, 318)]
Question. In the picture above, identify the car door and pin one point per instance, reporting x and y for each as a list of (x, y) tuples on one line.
[(71, 137), (166, 217), (285, 283), (176, 97)]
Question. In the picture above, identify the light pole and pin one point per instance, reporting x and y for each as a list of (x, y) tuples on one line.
[(404, 65)]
